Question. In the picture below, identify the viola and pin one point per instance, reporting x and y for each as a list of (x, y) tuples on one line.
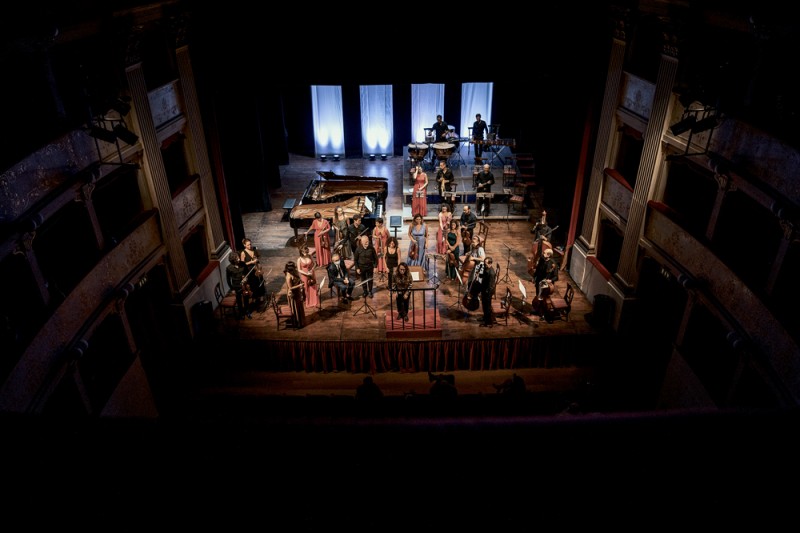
[(451, 259), (413, 250), (246, 290)]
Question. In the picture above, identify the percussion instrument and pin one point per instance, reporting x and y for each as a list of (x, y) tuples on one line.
[(429, 138), (417, 150), (443, 150)]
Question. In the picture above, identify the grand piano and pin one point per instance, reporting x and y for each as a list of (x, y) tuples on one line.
[(356, 194)]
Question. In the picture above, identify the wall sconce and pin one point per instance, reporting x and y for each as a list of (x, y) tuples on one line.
[(372, 157), (336, 157), (708, 123), (383, 157), (323, 157)]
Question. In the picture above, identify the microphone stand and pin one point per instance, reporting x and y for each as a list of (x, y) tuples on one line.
[(506, 279)]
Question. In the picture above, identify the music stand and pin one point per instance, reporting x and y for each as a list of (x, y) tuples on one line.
[(433, 280), (484, 195), (395, 222), (449, 195), (458, 300), (365, 307), (506, 279), (319, 291)]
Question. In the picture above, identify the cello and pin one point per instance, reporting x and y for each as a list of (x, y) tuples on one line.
[(470, 300)]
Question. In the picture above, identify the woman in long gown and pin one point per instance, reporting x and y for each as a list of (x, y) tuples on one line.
[(380, 236), (340, 223), (453, 246), (321, 228), (391, 257), (419, 193), (418, 235), (294, 294), (445, 216), (305, 265)]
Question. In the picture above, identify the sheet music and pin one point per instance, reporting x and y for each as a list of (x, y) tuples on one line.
[(522, 290), (415, 276)]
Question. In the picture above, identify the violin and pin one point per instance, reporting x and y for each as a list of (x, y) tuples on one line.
[(451, 259), (247, 292), (412, 250)]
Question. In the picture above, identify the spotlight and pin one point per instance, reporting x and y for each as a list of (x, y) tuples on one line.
[(335, 157), (383, 157), (125, 134), (323, 158), (103, 134), (684, 125), (372, 157)]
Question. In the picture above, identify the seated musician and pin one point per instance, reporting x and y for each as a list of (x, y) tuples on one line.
[(484, 183), (476, 251), (339, 278), (544, 277), (468, 222), (446, 181), (542, 233), (479, 129)]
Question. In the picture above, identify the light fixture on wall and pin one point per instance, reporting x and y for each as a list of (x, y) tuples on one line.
[(384, 157), (323, 157), (372, 157), (336, 157)]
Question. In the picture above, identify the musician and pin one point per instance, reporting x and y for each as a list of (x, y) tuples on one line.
[(419, 193), (305, 265), (447, 181), (479, 129), (380, 236), (322, 229), (340, 224), (234, 273), (392, 258), (249, 258), (366, 258), (546, 269), (445, 216), (476, 251), (440, 130), (337, 276), (295, 294), (418, 237), (355, 231), (487, 288), (484, 183), (542, 232), (402, 287), (468, 222), (453, 241)]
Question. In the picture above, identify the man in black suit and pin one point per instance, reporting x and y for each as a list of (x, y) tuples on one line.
[(487, 284), (337, 276)]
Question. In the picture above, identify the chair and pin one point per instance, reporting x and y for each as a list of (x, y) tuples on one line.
[(225, 303), (517, 200), (482, 231), (503, 307), (561, 307), (282, 312)]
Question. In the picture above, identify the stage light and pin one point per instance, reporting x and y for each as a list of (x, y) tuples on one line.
[(335, 157), (323, 158), (103, 134), (125, 134), (372, 157), (683, 126), (383, 157)]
